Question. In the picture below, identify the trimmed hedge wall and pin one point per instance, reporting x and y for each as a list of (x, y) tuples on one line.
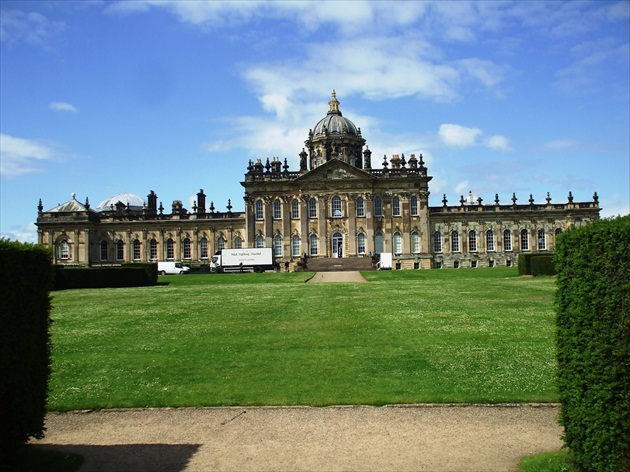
[(126, 275), (24, 343), (593, 323), (536, 264)]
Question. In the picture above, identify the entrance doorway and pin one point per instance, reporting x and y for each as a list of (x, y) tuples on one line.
[(337, 245)]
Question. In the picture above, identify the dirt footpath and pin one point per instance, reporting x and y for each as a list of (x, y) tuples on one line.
[(336, 277), (394, 438)]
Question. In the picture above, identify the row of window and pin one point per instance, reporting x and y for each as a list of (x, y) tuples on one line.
[(490, 240), (336, 208)]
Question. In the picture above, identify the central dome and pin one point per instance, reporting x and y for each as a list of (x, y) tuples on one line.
[(334, 123)]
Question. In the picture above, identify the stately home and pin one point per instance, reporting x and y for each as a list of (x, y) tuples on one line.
[(339, 204)]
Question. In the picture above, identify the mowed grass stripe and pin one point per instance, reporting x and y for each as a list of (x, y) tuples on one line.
[(481, 335)]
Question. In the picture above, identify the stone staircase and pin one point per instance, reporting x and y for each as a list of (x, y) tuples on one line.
[(329, 264)]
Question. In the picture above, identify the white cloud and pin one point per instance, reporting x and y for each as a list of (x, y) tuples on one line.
[(32, 28), (17, 155), (459, 136), (25, 234), (559, 144), (62, 106), (498, 143)]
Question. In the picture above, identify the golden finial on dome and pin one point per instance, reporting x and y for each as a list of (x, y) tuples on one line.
[(334, 103)]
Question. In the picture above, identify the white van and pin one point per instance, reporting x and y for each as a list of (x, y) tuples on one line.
[(172, 268)]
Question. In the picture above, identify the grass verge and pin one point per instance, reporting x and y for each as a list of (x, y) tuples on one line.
[(555, 461)]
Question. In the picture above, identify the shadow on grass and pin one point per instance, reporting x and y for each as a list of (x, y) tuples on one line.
[(123, 457)]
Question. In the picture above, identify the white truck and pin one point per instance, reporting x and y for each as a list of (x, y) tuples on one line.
[(170, 268), (386, 261), (243, 260)]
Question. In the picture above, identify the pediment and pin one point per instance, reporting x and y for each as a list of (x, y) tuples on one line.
[(335, 170)]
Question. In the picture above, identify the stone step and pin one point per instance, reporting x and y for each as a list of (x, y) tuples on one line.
[(329, 264)]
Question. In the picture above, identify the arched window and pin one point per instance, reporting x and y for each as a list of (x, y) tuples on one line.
[(415, 242), (186, 249), (295, 246), (360, 207), (437, 242), (361, 243), (260, 241), (396, 206), (524, 240), (120, 250), (64, 249), (170, 249), (259, 209), (507, 240), (220, 243), (295, 209), (489, 240), (378, 243), (336, 206), (238, 243), (277, 245), (312, 244), (454, 241), (378, 206), (203, 248), (397, 243), (542, 240), (558, 231), (414, 206), (136, 250), (472, 241), (103, 250), (277, 209), (312, 208), (153, 250)]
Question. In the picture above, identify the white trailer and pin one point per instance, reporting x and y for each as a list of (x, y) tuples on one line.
[(243, 260), (386, 261)]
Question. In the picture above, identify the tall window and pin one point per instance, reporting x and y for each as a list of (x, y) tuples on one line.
[(437, 242), (103, 250), (259, 209), (454, 241), (277, 245), (238, 242), (472, 241), (120, 250), (542, 240), (490, 240), (361, 243), (277, 209), (336, 206), (397, 243), (507, 240), (220, 243), (414, 206), (136, 250), (295, 209), (360, 207), (524, 240), (295, 246), (396, 206), (153, 250), (186, 249), (379, 243), (203, 248), (64, 249), (170, 249), (312, 208), (378, 206), (260, 241), (312, 244), (415, 242)]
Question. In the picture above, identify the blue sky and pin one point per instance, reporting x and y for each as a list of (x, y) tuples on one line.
[(100, 98)]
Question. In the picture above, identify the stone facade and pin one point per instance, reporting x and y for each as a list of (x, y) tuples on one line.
[(335, 206)]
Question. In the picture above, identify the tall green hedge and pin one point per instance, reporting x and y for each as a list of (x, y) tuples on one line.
[(593, 325), (536, 264), (25, 281), (127, 275)]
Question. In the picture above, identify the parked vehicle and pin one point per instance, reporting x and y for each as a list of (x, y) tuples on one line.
[(243, 260), (386, 261), (170, 268)]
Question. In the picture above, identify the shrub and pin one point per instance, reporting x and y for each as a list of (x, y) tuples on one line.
[(24, 343), (127, 275), (593, 324), (536, 264)]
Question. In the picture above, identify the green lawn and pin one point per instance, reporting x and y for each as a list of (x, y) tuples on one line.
[(468, 335)]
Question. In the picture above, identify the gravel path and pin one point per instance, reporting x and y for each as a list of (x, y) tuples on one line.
[(394, 438), (336, 277)]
